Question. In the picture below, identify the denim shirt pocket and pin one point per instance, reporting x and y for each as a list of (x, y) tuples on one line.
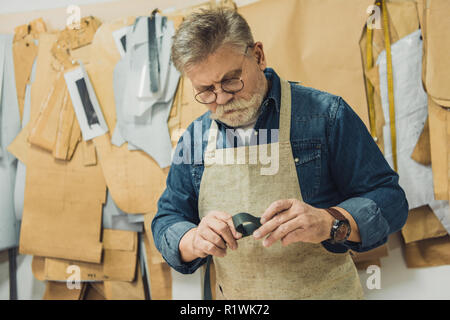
[(307, 158)]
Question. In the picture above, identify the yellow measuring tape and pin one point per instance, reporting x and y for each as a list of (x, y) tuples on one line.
[(390, 82), (370, 90)]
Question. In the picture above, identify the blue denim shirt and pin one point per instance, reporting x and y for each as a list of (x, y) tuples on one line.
[(338, 164)]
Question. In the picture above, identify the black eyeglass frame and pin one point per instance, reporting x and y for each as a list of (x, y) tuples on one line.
[(221, 83)]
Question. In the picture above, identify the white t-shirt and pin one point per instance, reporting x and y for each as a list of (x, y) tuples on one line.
[(246, 132)]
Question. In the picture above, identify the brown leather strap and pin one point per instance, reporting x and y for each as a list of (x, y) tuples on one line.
[(336, 214)]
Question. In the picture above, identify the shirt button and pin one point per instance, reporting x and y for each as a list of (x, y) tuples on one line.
[(296, 160), (256, 133)]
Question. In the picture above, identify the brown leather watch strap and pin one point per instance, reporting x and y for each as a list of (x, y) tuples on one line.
[(338, 234), (336, 214)]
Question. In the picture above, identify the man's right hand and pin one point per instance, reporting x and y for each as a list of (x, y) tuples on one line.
[(212, 236)]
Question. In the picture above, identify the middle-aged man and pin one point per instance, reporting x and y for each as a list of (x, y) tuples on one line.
[(331, 189)]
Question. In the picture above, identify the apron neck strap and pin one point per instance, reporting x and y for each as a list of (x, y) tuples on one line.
[(285, 119), (285, 112), (212, 139)]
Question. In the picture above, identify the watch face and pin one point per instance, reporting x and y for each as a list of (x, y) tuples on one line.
[(341, 232)]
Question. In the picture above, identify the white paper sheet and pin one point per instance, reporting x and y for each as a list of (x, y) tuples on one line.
[(2, 67), (141, 114), (117, 35), (19, 189), (138, 79), (88, 131), (411, 110), (138, 96), (9, 128), (114, 218), (3, 45)]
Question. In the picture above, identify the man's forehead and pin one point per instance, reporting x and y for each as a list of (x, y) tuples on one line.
[(224, 61)]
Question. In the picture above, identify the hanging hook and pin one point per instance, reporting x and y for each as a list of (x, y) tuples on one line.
[(154, 12)]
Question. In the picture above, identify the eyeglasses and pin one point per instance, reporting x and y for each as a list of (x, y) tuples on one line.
[(233, 86)]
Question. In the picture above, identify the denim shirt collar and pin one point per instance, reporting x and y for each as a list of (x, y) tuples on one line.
[(274, 94), (272, 98)]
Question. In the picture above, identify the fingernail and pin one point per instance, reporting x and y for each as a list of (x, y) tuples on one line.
[(256, 234), (265, 243), (262, 220), (239, 235)]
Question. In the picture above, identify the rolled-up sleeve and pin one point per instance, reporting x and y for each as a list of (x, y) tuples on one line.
[(177, 214), (169, 248), (365, 180)]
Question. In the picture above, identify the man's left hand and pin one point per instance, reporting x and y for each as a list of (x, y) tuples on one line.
[(292, 220)]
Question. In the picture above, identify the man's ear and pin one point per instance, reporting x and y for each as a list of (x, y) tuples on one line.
[(260, 56)]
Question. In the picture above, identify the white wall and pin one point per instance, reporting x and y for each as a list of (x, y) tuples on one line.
[(400, 282), (8, 6), (397, 281)]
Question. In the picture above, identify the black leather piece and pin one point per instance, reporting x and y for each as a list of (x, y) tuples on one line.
[(86, 101), (123, 41), (245, 223), (153, 54)]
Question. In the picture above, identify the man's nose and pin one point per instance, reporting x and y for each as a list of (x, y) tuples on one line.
[(223, 97)]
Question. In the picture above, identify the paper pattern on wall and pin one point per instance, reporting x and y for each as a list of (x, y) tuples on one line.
[(438, 47), (142, 112), (135, 181), (411, 113), (63, 199), (298, 44), (118, 264)]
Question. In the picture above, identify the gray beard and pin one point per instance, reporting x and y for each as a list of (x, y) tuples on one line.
[(246, 111)]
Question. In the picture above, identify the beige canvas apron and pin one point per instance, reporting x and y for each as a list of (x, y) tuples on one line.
[(297, 271)]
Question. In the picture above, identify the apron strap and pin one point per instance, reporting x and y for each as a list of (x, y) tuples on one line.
[(285, 112), (240, 219), (207, 293)]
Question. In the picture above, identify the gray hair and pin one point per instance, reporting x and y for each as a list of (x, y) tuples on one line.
[(206, 30)]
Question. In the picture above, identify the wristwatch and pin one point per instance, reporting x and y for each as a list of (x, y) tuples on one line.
[(340, 230)]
